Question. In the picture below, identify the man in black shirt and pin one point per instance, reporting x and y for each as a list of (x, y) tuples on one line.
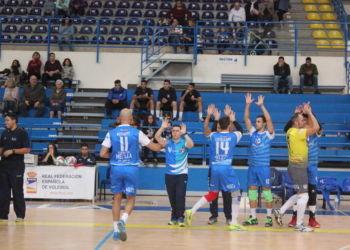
[(191, 100), (84, 157), (14, 143), (282, 72), (167, 99), (143, 98)]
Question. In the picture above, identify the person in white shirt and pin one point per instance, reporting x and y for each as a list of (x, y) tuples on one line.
[(237, 14)]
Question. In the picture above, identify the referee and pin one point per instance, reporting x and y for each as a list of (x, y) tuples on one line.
[(14, 143)]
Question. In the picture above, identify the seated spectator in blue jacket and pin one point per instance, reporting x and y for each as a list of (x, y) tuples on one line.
[(66, 33), (282, 72), (49, 8), (116, 99), (308, 74), (84, 157)]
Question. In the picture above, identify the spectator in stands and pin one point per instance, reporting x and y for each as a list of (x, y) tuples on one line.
[(33, 96), (18, 65), (251, 11), (200, 43), (68, 71), (238, 36), (237, 14), (266, 11), (135, 122), (180, 13), (116, 99), (62, 8), (283, 7), (223, 40), (191, 100), (175, 31), (84, 157), (282, 72), (57, 99), (52, 70), (167, 132), (34, 66), (66, 33), (51, 155), (116, 123), (77, 7), (49, 8), (14, 74), (143, 98), (149, 130), (11, 97), (189, 34), (308, 74), (166, 99)]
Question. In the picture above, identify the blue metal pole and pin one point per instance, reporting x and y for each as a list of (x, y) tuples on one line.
[(195, 43), (295, 44), (98, 41), (0, 36), (346, 38), (48, 37), (147, 38), (246, 44)]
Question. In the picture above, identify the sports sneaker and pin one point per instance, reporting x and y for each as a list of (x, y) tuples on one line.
[(250, 221), (268, 221), (116, 236), (155, 163), (317, 92), (201, 120), (278, 217), (237, 227), (181, 222), (302, 228), (188, 217), (293, 223), (180, 119), (145, 162), (121, 226), (172, 222), (228, 221), (3, 219), (212, 221), (314, 223), (18, 219), (301, 92)]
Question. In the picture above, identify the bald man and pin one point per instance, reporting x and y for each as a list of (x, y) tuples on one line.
[(124, 161)]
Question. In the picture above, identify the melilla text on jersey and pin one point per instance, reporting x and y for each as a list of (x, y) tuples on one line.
[(124, 155)]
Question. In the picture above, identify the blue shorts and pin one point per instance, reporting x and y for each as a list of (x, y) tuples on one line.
[(124, 178), (223, 178), (312, 174), (259, 176)]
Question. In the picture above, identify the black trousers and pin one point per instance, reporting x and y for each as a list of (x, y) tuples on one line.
[(12, 179), (214, 207), (176, 187), (146, 153), (47, 77), (24, 107), (31, 73), (109, 105)]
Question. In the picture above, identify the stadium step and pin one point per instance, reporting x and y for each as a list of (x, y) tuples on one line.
[(81, 104), (90, 94), (87, 115)]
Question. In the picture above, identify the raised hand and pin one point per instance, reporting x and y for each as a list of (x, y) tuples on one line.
[(232, 116), (307, 108), (299, 109), (217, 114), (248, 98), (183, 128), (211, 109), (165, 123), (260, 102), (227, 110)]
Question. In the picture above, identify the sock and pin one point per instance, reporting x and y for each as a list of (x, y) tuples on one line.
[(200, 115), (269, 212), (180, 114), (174, 113), (125, 217), (295, 210), (253, 213), (312, 210), (302, 201), (235, 211), (293, 199), (152, 112), (115, 225), (131, 111), (202, 201)]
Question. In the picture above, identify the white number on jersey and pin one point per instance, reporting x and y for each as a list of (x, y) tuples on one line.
[(223, 146), (124, 145)]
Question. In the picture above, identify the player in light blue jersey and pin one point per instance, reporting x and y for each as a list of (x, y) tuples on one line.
[(312, 169), (259, 159), (124, 161), (176, 173), (221, 151)]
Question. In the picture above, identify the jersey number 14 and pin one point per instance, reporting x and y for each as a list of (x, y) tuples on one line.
[(223, 146)]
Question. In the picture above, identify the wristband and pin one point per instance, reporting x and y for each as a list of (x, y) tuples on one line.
[(13, 151), (185, 133)]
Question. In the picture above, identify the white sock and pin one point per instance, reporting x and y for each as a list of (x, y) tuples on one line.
[(174, 113), (200, 115), (295, 207), (269, 212), (125, 217), (157, 113), (302, 201), (131, 111), (235, 211), (115, 225), (180, 114), (312, 209), (293, 199), (202, 201), (152, 112), (253, 213)]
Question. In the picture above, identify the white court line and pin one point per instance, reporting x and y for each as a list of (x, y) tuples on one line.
[(44, 206), (344, 247)]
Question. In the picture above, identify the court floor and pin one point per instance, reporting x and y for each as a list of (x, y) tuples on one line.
[(81, 225)]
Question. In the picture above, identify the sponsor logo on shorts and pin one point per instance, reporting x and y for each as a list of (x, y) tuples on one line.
[(296, 186), (230, 186), (305, 186), (130, 190)]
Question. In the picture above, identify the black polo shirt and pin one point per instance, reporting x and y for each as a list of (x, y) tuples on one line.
[(90, 160), (15, 139), (139, 91), (188, 99)]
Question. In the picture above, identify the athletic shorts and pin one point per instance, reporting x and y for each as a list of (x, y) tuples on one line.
[(223, 178), (124, 178), (312, 174), (259, 176), (190, 107), (299, 178)]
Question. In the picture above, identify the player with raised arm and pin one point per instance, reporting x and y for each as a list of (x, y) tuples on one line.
[(312, 169), (221, 150), (259, 159), (297, 166), (124, 161)]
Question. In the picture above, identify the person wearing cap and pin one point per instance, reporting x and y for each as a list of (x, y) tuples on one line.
[(308, 76), (116, 99)]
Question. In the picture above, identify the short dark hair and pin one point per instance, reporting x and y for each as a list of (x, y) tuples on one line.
[(177, 126), (224, 122), (143, 80), (84, 144), (294, 118), (262, 117), (281, 57), (117, 81), (308, 59), (166, 80), (13, 116), (52, 54), (192, 84), (64, 20)]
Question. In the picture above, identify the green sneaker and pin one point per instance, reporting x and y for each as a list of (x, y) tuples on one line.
[(268, 221), (181, 222), (250, 222), (172, 222), (188, 217), (237, 227)]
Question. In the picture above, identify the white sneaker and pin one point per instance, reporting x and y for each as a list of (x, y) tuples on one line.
[(180, 119), (302, 228), (19, 219), (201, 120)]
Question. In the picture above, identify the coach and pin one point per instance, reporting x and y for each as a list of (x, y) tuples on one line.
[(14, 143)]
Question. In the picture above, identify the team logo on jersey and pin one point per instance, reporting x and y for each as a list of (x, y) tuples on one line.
[(257, 140), (182, 150)]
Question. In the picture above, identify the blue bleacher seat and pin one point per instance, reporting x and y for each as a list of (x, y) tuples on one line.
[(135, 13), (142, 40), (209, 43), (55, 29), (85, 30), (35, 12), (208, 23), (31, 20), (96, 4), (4, 20), (152, 6), (109, 4), (6, 38), (76, 21), (25, 29), (12, 3), (10, 29), (195, 14), (160, 41), (26, 3), (131, 31), (162, 31), (134, 22), (208, 32), (103, 30), (129, 40), (2, 2), (21, 12), (222, 24), (35, 39), (345, 187), (56, 21), (207, 6), (39, 3), (53, 39), (121, 13), (150, 31), (117, 30), (221, 6), (119, 21), (44, 20), (90, 21), (272, 43), (193, 6), (20, 39), (150, 23), (165, 6), (92, 12), (194, 1), (207, 15), (162, 13), (222, 15), (221, 1), (207, 1), (124, 5), (137, 5), (101, 38), (105, 21), (16, 20), (113, 40), (150, 13), (7, 11), (107, 12)]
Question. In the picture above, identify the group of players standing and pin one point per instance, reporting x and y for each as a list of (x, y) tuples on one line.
[(302, 133)]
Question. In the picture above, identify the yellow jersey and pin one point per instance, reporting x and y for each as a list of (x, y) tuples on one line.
[(298, 149)]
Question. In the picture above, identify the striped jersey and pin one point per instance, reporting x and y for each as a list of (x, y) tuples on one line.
[(313, 149), (259, 150), (176, 157)]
